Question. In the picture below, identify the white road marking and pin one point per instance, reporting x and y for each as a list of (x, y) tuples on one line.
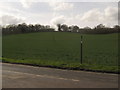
[(45, 76)]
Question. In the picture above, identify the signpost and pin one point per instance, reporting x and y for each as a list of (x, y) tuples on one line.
[(81, 50)]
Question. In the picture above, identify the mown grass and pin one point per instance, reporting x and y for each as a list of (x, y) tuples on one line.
[(62, 49)]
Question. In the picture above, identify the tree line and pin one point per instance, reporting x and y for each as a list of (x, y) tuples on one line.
[(24, 28)]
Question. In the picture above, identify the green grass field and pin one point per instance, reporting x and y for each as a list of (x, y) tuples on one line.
[(62, 49)]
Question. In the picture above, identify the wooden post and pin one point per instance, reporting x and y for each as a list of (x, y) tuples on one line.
[(81, 51)]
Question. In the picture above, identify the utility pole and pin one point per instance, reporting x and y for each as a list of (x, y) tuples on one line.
[(81, 50)]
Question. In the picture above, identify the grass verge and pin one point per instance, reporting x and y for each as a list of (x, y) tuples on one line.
[(62, 65)]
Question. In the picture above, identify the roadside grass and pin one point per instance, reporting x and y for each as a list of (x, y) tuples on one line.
[(62, 65), (62, 50)]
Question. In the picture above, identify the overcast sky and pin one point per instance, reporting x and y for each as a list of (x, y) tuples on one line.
[(49, 12)]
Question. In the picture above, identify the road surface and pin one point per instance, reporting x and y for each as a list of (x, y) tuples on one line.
[(21, 76)]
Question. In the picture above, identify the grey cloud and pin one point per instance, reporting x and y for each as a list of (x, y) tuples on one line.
[(109, 13), (7, 19)]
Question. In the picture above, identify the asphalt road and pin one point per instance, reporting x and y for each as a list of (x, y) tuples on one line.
[(21, 76)]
